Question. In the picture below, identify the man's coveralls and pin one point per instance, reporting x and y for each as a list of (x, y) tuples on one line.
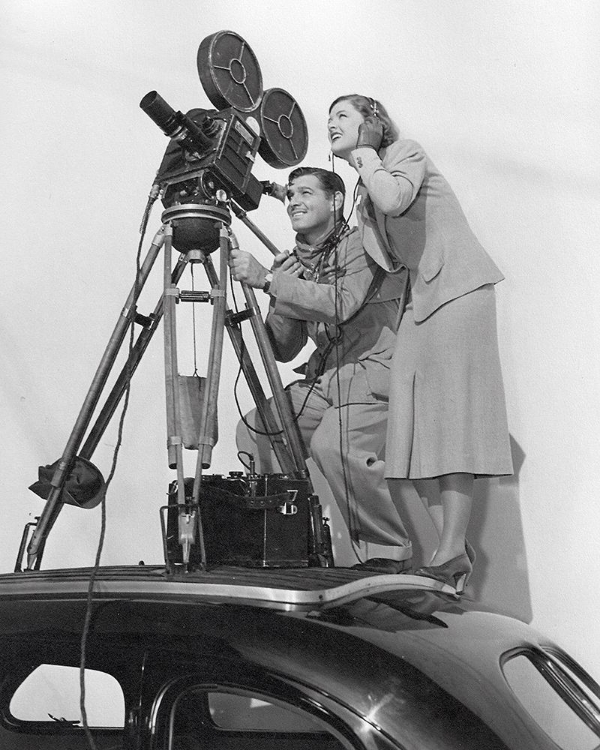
[(351, 314)]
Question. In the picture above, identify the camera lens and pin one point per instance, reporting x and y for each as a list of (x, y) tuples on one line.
[(160, 112)]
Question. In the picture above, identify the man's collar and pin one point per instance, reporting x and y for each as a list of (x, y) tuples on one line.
[(324, 243)]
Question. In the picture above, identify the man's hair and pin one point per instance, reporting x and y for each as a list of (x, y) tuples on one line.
[(330, 182), (371, 108)]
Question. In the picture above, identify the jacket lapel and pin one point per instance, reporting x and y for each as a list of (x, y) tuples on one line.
[(373, 232)]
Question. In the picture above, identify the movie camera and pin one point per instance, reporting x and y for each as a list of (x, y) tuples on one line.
[(205, 173), (212, 152)]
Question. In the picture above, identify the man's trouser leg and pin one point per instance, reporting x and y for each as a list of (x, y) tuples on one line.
[(357, 482), (250, 437), (346, 447)]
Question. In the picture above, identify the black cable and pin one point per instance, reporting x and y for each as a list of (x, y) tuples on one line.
[(244, 464), (318, 372), (96, 567), (243, 352), (353, 524), (90, 591), (243, 419), (330, 248)]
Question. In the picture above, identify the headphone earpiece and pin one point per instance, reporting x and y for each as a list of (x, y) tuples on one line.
[(374, 107)]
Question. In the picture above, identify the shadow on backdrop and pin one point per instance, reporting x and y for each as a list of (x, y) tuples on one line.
[(500, 580)]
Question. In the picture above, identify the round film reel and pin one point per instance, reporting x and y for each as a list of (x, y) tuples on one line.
[(284, 139), (229, 72)]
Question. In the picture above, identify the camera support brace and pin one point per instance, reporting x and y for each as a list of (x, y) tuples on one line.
[(287, 447)]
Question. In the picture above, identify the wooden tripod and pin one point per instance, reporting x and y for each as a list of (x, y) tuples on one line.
[(287, 447)]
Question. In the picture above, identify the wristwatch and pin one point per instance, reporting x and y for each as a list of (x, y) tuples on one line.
[(268, 280)]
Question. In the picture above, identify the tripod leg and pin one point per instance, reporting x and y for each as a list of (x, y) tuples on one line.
[(171, 366), (280, 449), (282, 404), (280, 398), (186, 519), (54, 502), (209, 407), (118, 389), (208, 419)]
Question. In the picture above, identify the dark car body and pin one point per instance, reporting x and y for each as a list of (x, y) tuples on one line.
[(317, 659)]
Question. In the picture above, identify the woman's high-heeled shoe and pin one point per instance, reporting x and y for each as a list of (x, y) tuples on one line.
[(454, 572), (470, 552), (469, 549)]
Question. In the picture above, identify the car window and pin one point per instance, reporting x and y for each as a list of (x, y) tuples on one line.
[(52, 693), (556, 698), (229, 711), (241, 720)]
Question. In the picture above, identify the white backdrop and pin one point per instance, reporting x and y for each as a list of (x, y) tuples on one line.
[(503, 95)]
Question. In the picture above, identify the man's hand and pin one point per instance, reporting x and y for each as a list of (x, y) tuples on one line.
[(370, 133), (331, 273), (288, 264), (245, 268), (275, 190)]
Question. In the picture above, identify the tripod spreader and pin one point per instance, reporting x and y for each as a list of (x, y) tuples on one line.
[(191, 296)]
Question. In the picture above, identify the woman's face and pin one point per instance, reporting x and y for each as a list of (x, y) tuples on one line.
[(344, 121)]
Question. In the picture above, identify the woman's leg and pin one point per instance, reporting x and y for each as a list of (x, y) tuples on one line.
[(456, 497), (447, 500), (429, 492)]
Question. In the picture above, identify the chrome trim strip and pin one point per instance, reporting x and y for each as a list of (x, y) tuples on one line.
[(219, 593)]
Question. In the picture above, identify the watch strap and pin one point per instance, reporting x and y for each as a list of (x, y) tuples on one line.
[(268, 280)]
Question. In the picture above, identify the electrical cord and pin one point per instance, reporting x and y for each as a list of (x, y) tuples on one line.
[(250, 427), (353, 523), (331, 249), (93, 574), (331, 246), (90, 590), (243, 352), (246, 466)]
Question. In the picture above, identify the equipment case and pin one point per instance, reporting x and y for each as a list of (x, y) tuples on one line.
[(261, 520)]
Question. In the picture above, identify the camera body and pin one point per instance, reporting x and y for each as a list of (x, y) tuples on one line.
[(193, 171), (211, 154)]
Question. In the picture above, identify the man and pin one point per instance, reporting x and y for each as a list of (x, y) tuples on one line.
[(330, 291)]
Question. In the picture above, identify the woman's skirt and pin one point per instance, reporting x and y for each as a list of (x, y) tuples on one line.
[(447, 407)]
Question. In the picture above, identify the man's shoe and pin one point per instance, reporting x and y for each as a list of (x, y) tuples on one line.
[(385, 566)]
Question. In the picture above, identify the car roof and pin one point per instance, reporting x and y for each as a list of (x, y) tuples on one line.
[(390, 610), (273, 588), (361, 637)]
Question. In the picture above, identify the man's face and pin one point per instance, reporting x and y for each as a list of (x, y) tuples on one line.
[(310, 209)]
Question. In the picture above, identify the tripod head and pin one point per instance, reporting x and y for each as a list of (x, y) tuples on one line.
[(210, 156), (196, 225)]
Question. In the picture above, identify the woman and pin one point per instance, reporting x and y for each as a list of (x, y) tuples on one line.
[(447, 419)]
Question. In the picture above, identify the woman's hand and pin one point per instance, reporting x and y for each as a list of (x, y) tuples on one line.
[(370, 133)]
